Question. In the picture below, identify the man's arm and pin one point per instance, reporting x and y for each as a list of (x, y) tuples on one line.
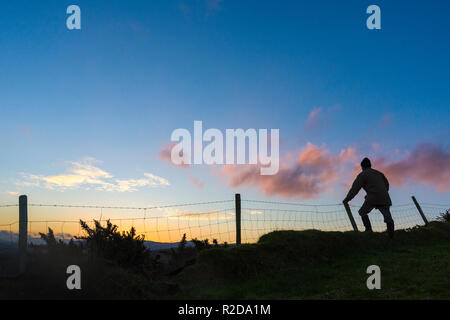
[(357, 185)]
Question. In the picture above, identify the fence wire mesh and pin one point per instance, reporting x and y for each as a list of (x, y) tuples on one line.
[(205, 220)]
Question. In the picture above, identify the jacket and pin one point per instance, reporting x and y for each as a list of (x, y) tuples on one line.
[(376, 186)]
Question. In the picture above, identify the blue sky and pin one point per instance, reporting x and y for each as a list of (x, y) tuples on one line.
[(115, 90)]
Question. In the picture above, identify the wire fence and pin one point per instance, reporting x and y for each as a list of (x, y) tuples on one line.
[(204, 220), (163, 224), (261, 217)]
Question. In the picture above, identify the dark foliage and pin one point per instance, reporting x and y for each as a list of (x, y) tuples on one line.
[(177, 254), (445, 216), (180, 257), (201, 244), (58, 245), (50, 239), (125, 249), (204, 244)]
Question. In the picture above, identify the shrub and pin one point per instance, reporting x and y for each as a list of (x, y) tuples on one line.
[(126, 249), (176, 254), (445, 216), (204, 244), (201, 244), (180, 257), (50, 239), (57, 245)]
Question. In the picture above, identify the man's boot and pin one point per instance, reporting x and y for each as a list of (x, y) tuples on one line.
[(390, 229), (366, 222)]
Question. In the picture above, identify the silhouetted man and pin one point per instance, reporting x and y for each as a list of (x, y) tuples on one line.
[(376, 186)]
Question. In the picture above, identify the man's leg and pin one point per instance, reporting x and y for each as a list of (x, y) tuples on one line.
[(388, 220), (363, 212)]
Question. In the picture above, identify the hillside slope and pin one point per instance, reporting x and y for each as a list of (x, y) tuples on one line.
[(325, 265), (282, 265)]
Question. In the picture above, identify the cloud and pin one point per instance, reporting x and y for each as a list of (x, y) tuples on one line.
[(199, 184), (88, 170), (192, 215), (375, 146), (312, 171), (86, 174), (165, 154), (427, 164), (313, 117), (319, 117), (13, 193), (133, 184)]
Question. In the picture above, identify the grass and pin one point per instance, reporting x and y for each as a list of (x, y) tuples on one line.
[(407, 273), (325, 265), (282, 265)]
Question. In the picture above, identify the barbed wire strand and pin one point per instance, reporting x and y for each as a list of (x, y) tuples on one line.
[(219, 223)]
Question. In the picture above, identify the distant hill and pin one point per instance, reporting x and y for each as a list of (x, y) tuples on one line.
[(5, 242), (6, 237), (155, 246), (6, 245)]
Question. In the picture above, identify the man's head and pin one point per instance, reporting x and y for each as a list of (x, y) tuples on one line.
[(365, 163)]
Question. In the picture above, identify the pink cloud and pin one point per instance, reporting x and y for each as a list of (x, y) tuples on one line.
[(312, 171), (313, 118), (320, 117), (199, 184), (427, 164), (375, 146), (165, 154)]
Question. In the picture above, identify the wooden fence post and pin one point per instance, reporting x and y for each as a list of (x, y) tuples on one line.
[(23, 232), (237, 199), (350, 216), (420, 210)]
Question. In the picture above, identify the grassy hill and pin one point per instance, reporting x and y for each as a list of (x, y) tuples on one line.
[(325, 265), (282, 265)]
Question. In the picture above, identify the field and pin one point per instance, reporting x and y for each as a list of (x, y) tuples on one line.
[(325, 266), (282, 265)]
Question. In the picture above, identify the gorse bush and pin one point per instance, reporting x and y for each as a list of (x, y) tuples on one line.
[(445, 216), (204, 244), (126, 248), (185, 255), (182, 244), (181, 256), (176, 254), (50, 239), (201, 244), (51, 242)]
